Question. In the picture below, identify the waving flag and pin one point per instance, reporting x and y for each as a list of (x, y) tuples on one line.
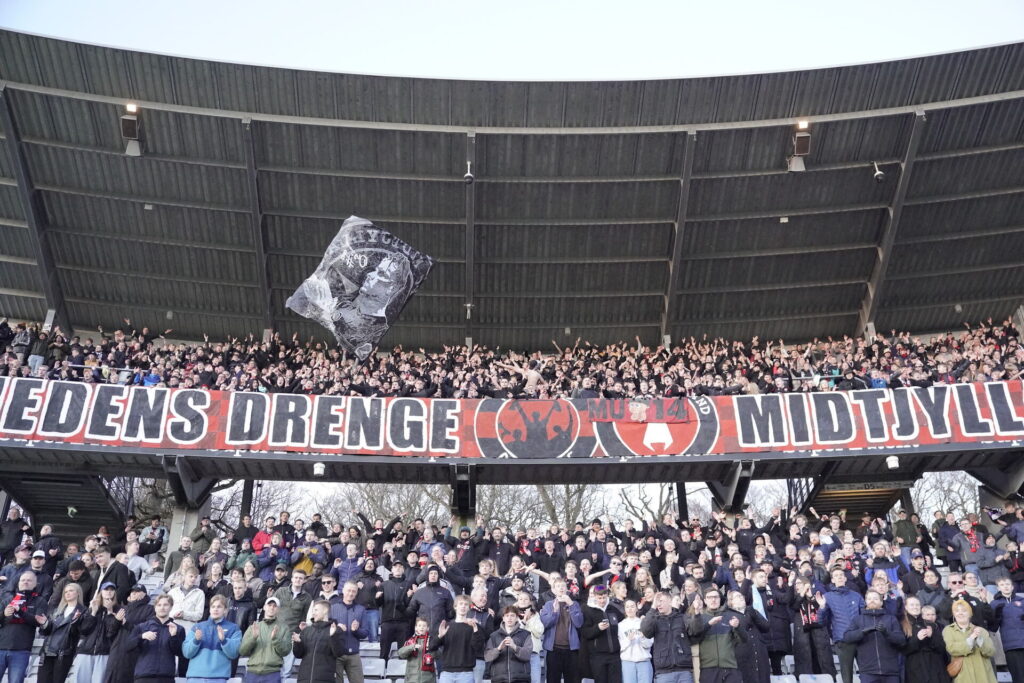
[(362, 284)]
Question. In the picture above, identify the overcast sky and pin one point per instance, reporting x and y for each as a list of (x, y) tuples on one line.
[(529, 39)]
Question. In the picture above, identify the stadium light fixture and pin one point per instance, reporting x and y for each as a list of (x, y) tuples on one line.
[(893, 462), (318, 469), (131, 108), (803, 125)]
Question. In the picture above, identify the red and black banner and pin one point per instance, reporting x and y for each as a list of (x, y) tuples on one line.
[(872, 420)]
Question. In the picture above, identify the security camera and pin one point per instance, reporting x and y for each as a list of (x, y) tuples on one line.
[(469, 178), (879, 173)]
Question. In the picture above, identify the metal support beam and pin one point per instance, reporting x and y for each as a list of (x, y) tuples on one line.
[(190, 490), (259, 235), (684, 507), (35, 216), (729, 495), (820, 482), (247, 489), (1002, 483), (873, 295), (682, 207), (463, 482), (470, 233)]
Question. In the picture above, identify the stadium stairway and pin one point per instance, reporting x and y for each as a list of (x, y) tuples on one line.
[(74, 505)]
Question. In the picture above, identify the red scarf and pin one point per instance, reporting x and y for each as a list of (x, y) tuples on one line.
[(973, 539), (427, 661)]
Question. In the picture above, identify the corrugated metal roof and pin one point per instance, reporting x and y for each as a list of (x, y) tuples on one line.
[(571, 230)]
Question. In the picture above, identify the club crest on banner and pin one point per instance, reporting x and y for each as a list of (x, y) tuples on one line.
[(637, 435), (531, 429)]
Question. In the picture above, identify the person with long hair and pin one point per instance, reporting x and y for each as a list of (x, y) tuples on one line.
[(61, 632), (970, 647), (99, 628), (925, 651), (752, 655), (634, 648)]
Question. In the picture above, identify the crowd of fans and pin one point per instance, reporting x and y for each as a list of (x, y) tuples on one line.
[(986, 352), (720, 599)]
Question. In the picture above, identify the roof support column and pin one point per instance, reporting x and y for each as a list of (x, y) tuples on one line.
[(682, 206), (470, 234), (869, 306), (35, 217), (259, 234)]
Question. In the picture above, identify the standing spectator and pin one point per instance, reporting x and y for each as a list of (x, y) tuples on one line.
[(76, 574), (61, 633), (562, 618), (453, 645), (156, 643), (266, 643), (112, 571), (394, 598), (351, 619), (878, 639), (970, 646), (294, 604), (906, 536), (718, 634), (508, 650), (24, 611), (839, 607), (212, 644), (752, 654), (671, 650), (98, 629), (121, 663), (1008, 611), (925, 651), (812, 648), (420, 665), (967, 545), (12, 531), (175, 557), (189, 605), (318, 646), (634, 648), (202, 536), (51, 547), (286, 530), (432, 601), (600, 633)]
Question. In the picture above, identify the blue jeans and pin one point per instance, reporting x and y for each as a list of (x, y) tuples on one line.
[(456, 677), (674, 677), (372, 624), (535, 664), (15, 663), (637, 672), (478, 671), (274, 677), (206, 680)]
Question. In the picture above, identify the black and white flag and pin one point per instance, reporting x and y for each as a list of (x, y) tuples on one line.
[(362, 284)]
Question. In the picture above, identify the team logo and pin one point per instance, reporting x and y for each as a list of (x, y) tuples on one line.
[(635, 435), (531, 430)]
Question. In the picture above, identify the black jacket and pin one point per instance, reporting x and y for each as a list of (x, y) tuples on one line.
[(670, 650), (98, 632), (395, 600), (121, 577), (121, 665), (319, 651), (19, 630), (242, 612), (61, 632), (509, 665), (878, 637), (925, 659), (598, 641), (433, 603)]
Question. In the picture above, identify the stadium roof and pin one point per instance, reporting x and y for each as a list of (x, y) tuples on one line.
[(607, 209)]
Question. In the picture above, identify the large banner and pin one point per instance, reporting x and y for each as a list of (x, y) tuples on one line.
[(874, 420)]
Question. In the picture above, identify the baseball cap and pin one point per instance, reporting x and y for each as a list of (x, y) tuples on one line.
[(916, 553), (38, 553), (139, 588), (108, 584), (272, 600)]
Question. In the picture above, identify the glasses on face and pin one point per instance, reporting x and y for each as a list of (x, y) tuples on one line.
[(956, 583)]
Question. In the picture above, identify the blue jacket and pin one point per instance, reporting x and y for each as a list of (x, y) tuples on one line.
[(883, 565), (346, 570), (549, 617), (1009, 619), (266, 562), (878, 637), (842, 605), (210, 657), (344, 615), (158, 658)]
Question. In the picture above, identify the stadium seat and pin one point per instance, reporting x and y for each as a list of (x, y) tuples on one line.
[(396, 668), (788, 664), (373, 667), (816, 678), (786, 678)]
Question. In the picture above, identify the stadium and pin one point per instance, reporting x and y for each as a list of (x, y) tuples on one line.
[(805, 276)]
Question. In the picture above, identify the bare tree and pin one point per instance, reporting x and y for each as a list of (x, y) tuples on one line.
[(955, 492), (268, 498), (648, 501), (765, 496)]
